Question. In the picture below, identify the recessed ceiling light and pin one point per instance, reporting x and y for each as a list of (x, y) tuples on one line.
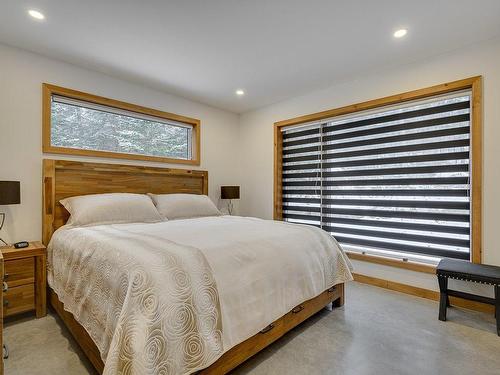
[(240, 92), (400, 33), (36, 14)]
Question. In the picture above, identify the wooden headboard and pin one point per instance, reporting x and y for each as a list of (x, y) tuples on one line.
[(63, 179)]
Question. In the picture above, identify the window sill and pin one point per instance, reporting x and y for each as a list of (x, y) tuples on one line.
[(409, 265)]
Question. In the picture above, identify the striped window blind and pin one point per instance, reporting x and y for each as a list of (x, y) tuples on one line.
[(394, 181)]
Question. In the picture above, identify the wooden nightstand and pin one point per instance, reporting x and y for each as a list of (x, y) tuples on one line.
[(25, 275), (1, 315)]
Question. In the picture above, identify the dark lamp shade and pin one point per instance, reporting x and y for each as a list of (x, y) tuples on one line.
[(10, 192), (230, 192)]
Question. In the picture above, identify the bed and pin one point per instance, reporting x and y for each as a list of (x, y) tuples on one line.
[(250, 280)]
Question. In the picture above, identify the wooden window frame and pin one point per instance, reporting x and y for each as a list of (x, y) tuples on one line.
[(474, 84), (49, 90)]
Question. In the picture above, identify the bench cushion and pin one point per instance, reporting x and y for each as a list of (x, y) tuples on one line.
[(461, 269)]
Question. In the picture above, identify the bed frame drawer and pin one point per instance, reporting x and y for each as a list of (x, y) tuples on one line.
[(275, 330), (19, 299), (19, 271)]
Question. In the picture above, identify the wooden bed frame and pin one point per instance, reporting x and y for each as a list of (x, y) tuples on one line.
[(62, 179)]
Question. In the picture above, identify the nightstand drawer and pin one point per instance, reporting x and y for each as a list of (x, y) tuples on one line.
[(19, 271), (19, 299)]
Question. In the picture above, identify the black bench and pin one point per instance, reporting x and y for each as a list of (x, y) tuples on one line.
[(462, 270)]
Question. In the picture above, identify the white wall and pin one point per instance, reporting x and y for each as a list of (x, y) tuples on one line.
[(225, 135), (256, 138), (21, 77)]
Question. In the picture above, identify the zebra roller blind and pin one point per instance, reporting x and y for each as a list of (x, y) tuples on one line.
[(394, 181)]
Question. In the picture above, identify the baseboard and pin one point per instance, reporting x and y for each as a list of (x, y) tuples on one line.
[(423, 293)]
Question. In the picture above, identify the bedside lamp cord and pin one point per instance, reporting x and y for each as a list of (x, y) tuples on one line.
[(2, 215)]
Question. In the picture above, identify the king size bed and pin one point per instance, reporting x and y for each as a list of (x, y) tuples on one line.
[(198, 294)]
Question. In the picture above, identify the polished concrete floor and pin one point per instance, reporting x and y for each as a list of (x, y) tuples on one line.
[(376, 332)]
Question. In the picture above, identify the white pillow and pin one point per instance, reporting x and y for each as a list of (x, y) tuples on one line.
[(112, 208), (184, 206)]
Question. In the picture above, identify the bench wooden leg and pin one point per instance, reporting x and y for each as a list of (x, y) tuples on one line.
[(497, 307), (443, 298)]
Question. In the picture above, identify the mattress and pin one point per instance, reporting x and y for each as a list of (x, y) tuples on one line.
[(172, 297)]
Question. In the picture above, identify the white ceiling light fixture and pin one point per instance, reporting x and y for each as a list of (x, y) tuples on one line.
[(240, 92), (400, 33), (36, 14)]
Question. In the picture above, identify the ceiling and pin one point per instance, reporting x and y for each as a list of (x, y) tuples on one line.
[(273, 49)]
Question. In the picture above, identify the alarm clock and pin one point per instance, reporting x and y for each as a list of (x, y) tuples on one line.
[(21, 245)]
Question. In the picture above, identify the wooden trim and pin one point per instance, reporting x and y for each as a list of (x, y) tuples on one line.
[(48, 90), (278, 170), (477, 169), (473, 83), (62, 179), (421, 292), (392, 262), (236, 355), (382, 102)]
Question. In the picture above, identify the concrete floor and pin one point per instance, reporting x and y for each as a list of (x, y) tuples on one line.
[(376, 332)]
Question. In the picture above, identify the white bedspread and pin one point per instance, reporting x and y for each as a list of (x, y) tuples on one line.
[(262, 269)]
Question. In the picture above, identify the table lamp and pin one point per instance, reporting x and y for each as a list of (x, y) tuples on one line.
[(230, 192), (10, 193)]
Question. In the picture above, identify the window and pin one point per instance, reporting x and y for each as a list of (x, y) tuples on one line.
[(395, 180), (84, 124)]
